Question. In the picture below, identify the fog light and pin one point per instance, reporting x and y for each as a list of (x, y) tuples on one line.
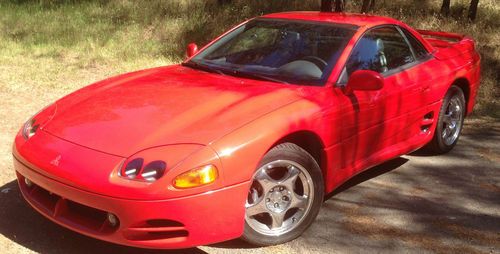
[(112, 219), (28, 182)]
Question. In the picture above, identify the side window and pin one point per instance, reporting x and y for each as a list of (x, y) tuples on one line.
[(380, 50), (418, 48)]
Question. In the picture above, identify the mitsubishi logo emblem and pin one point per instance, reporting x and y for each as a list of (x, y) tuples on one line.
[(56, 161)]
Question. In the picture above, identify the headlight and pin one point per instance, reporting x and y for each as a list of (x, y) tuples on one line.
[(30, 128), (136, 170), (196, 177), (38, 120)]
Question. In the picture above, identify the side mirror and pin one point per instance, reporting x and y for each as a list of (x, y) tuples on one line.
[(365, 80), (192, 49)]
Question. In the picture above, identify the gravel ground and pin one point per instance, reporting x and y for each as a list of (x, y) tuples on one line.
[(413, 204)]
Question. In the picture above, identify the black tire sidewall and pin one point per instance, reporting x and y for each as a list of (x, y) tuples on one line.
[(292, 152), (438, 145)]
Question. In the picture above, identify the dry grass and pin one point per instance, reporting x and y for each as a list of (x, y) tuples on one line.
[(51, 47)]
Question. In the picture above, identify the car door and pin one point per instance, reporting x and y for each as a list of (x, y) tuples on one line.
[(375, 121)]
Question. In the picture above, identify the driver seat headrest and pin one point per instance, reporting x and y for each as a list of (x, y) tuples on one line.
[(380, 45)]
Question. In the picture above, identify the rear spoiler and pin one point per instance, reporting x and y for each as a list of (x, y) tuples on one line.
[(448, 45), (441, 35)]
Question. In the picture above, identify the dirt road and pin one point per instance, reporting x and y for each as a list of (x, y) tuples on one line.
[(412, 204)]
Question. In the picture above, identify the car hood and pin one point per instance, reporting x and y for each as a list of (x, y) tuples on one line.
[(160, 106)]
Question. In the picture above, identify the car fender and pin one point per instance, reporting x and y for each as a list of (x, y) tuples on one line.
[(242, 150)]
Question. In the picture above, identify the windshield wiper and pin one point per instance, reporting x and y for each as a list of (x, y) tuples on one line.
[(203, 67), (225, 72), (259, 76)]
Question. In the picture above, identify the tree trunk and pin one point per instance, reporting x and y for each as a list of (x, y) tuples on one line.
[(473, 9), (326, 5), (339, 5), (372, 5), (445, 7), (368, 5)]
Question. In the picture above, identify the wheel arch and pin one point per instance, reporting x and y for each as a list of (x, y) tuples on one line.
[(464, 84), (309, 141)]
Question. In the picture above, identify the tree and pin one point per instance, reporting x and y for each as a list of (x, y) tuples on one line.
[(473, 9), (340, 5), (445, 7), (327, 5), (368, 5)]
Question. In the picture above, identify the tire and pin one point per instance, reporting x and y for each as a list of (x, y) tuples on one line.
[(287, 187), (450, 122)]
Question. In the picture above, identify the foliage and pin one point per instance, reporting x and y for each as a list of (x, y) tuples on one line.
[(42, 41)]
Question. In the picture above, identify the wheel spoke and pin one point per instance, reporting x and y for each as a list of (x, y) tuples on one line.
[(299, 201), (290, 177), (447, 118), (277, 219), (266, 181), (256, 208), (452, 125), (445, 133)]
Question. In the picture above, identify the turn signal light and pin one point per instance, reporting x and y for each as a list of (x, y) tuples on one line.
[(196, 177)]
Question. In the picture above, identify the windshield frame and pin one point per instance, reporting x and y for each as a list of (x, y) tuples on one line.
[(332, 62)]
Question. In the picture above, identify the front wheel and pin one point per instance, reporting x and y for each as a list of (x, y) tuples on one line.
[(450, 122), (285, 196)]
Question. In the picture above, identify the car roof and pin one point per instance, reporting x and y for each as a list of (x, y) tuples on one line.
[(334, 17)]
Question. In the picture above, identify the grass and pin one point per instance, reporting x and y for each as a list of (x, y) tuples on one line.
[(51, 47)]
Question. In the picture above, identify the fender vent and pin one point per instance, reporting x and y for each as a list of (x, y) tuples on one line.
[(427, 122)]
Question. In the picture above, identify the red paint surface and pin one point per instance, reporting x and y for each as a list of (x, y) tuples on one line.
[(191, 118)]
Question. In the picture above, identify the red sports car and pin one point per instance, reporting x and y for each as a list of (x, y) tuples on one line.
[(246, 136)]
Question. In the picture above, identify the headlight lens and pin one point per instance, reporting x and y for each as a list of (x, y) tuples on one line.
[(134, 169), (196, 177), (153, 171), (38, 120), (30, 128)]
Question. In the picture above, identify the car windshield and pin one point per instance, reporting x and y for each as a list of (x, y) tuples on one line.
[(297, 52)]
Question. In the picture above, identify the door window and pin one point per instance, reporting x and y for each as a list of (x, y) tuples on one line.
[(381, 50), (418, 48)]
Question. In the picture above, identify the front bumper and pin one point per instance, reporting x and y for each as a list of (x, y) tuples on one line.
[(210, 217)]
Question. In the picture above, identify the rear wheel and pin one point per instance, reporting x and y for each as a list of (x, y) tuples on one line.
[(285, 196), (450, 122)]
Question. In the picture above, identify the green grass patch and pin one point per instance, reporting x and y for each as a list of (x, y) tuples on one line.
[(60, 44)]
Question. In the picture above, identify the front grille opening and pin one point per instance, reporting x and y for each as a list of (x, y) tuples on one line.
[(91, 218), (66, 211), (44, 198), (87, 212), (164, 223)]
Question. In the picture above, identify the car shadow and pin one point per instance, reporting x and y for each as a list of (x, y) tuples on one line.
[(24, 226)]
